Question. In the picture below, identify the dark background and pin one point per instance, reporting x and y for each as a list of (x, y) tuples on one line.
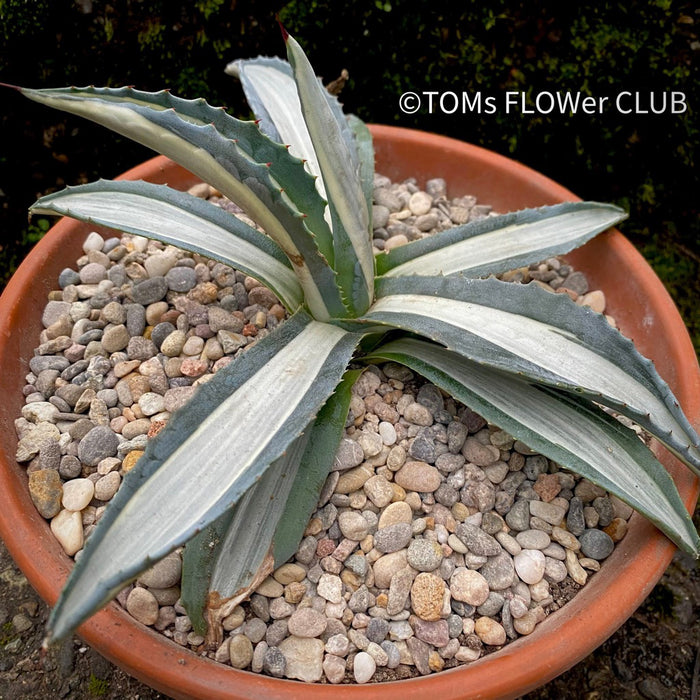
[(646, 163)]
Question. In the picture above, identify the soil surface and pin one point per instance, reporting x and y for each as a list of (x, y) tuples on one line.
[(654, 656)]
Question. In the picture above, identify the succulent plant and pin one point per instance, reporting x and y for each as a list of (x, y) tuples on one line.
[(236, 474)]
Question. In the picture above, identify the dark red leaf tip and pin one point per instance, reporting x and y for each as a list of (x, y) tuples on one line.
[(285, 33)]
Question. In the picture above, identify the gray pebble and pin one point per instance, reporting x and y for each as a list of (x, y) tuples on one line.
[(518, 518), (53, 311), (135, 319), (149, 291), (43, 362), (534, 466), (462, 609), (604, 508), (357, 563), (498, 572), (181, 279), (276, 632), (596, 544), (260, 606), (491, 523), (360, 600), (274, 662), (377, 630), (430, 397), (478, 541), (424, 555), (455, 625), (160, 332), (392, 652), (393, 538), (446, 495), (67, 277), (575, 521), (576, 282), (140, 348), (92, 273), (423, 448), (97, 444), (117, 275), (492, 606)]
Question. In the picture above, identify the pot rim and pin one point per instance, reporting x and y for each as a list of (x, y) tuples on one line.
[(569, 635)]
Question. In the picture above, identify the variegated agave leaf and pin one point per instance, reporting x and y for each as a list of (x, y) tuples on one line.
[(176, 218), (266, 525), (227, 154), (543, 337)]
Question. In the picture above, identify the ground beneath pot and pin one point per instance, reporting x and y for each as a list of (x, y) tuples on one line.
[(655, 655)]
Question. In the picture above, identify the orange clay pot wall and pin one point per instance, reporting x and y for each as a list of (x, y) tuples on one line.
[(636, 298)]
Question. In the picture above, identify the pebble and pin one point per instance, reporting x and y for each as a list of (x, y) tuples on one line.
[(393, 538), (424, 555), (418, 476), (67, 528), (330, 587), (149, 290), (549, 512), (353, 525), (275, 662), (469, 587), (427, 593), (418, 415), (289, 573), (398, 512), (164, 574), (596, 544), (363, 667), (46, 491), (490, 631), (379, 491), (477, 541), (303, 658), (386, 566), (100, 442), (77, 494), (498, 571), (307, 622), (530, 565), (142, 605), (334, 668), (240, 651)]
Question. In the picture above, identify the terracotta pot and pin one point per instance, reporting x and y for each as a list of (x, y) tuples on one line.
[(637, 299)]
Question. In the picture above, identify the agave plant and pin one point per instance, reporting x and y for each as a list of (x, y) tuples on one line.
[(253, 447)]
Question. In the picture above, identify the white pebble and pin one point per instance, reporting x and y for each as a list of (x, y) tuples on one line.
[(387, 432), (330, 587), (93, 242), (420, 203), (364, 667), (67, 528), (77, 493), (151, 403), (39, 412), (529, 565)]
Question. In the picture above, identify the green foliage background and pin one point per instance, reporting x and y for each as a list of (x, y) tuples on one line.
[(646, 163)]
